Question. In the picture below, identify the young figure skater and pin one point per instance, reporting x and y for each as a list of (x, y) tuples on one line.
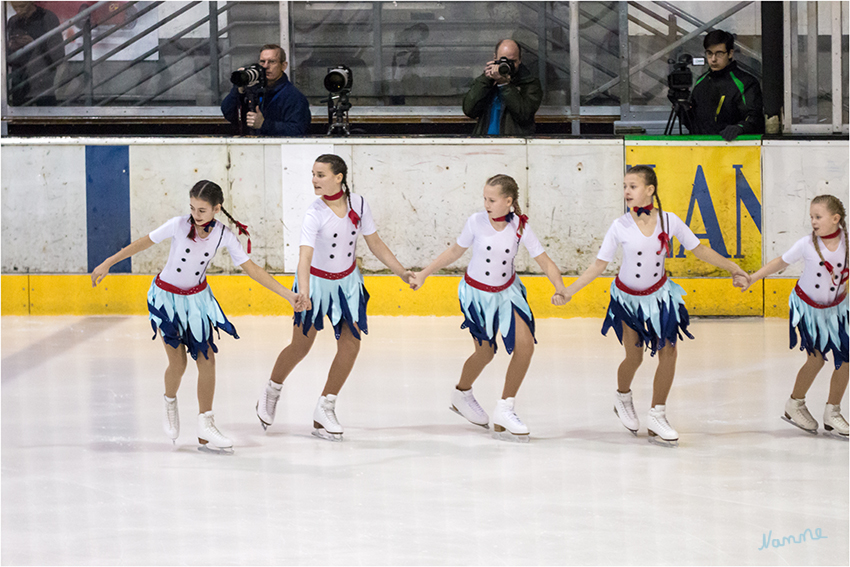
[(818, 312), (182, 306), (329, 283), (493, 300), (646, 309)]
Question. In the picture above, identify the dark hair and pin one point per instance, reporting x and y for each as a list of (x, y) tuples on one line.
[(338, 166), (212, 194), (649, 178), (715, 37), (281, 53), (836, 207), (501, 41), (509, 189)]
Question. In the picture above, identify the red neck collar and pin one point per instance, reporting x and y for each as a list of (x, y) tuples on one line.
[(835, 234), (334, 197)]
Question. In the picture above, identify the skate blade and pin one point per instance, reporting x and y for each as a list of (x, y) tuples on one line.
[(323, 434), (215, 450), (795, 424), (835, 435), (633, 431), (656, 440), (263, 423), (484, 425), (509, 437)]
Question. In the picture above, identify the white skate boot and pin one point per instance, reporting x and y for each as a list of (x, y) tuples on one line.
[(507, 426), (465, 405), (624, 408), (210, 438), (834, 423), (171, 420), (267, 404), (796, 413), (325, 423), (660, 432)]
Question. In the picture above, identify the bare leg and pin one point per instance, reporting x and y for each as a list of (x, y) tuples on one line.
[(634, 357), (206, 381), (520, 358), (838, 385), (664, 374), (290, 356), (175, 370), (473, 366), (347, 348), (806, 375)]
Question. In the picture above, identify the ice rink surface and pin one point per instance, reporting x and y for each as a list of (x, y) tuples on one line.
[(89, 477)]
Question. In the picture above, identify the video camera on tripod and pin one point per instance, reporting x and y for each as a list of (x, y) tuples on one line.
[(253, 80), (338, 83), (679, 83)]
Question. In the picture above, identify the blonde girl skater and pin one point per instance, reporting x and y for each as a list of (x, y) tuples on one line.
[(646, 309), (818, 306), (182, 307), (493, 300)]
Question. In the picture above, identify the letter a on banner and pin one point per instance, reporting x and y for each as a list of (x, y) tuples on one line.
[(701, 195)]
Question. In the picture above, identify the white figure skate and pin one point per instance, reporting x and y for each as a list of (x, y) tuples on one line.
[(210, 438), (625, 410), (171, 420), (834, 423), (507, 426), (465, 405), (796, 413), (267, 404), (325, 423), (660, 431)]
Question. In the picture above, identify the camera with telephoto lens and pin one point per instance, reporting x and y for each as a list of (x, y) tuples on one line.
[(506, 66), (251, 75), (338, 79)]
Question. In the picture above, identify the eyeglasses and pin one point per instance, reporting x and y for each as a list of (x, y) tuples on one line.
[(710, 54)]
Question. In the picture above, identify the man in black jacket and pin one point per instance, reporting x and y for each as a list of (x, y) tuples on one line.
[(725, 100), (504, 104), (27, 73)]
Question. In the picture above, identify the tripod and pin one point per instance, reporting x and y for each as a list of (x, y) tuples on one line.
[(338, 107), (678, 112)]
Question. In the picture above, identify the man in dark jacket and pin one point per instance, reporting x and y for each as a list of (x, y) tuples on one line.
[(27, 73), (281, 110), (504, 104), (725, 100)]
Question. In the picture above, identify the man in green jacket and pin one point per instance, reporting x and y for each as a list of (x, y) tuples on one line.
[(504, 103)]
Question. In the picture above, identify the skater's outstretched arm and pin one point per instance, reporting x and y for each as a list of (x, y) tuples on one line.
[(383, 253), (265, 279), (554, 274), (706, 254), (305, 259), (450, 256), (101, 270), (590, 274), (775, 265)]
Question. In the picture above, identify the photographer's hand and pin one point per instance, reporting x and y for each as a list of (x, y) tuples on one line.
[(491, 71), (255, 119)]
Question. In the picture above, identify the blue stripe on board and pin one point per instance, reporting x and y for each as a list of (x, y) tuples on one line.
[(107, 204)]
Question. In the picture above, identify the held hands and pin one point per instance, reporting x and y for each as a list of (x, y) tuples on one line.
[(407, 276), (561, 298), (416, 280), (741, 279), (255, 119), (302, 302)]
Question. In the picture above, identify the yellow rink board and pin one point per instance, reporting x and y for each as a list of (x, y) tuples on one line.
[(122, 294)]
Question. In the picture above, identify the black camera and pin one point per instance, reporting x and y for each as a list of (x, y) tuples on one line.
[(249, 76), (681, 77), (506, 66), (338, 79)]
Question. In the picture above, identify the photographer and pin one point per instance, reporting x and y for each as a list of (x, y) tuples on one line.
[(725, 100), (506, 96), (274, 109)]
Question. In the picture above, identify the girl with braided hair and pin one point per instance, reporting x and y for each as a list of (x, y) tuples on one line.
[(493, 300), (329, 283), (182, 307), (646, 309), (818, 313)]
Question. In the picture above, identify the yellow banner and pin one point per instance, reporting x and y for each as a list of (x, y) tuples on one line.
[(716, 191)]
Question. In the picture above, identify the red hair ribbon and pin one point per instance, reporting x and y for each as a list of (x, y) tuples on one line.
[(845, 274), (355, 218), (665, 243), (243, 229), (643, 210), (334, 197), (523, 220)]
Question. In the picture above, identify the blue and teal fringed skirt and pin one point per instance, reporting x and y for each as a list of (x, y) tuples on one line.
[(488, 313), (343, 301), (822, 330), (658, 318), (188, 319)]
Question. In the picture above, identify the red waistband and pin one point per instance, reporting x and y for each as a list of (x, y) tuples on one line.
[(490, 288), (330, 275), (647, 291), (802, 295), (180, 291)]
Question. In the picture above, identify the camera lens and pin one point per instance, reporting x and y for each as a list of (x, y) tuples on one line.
[(338, 79)]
